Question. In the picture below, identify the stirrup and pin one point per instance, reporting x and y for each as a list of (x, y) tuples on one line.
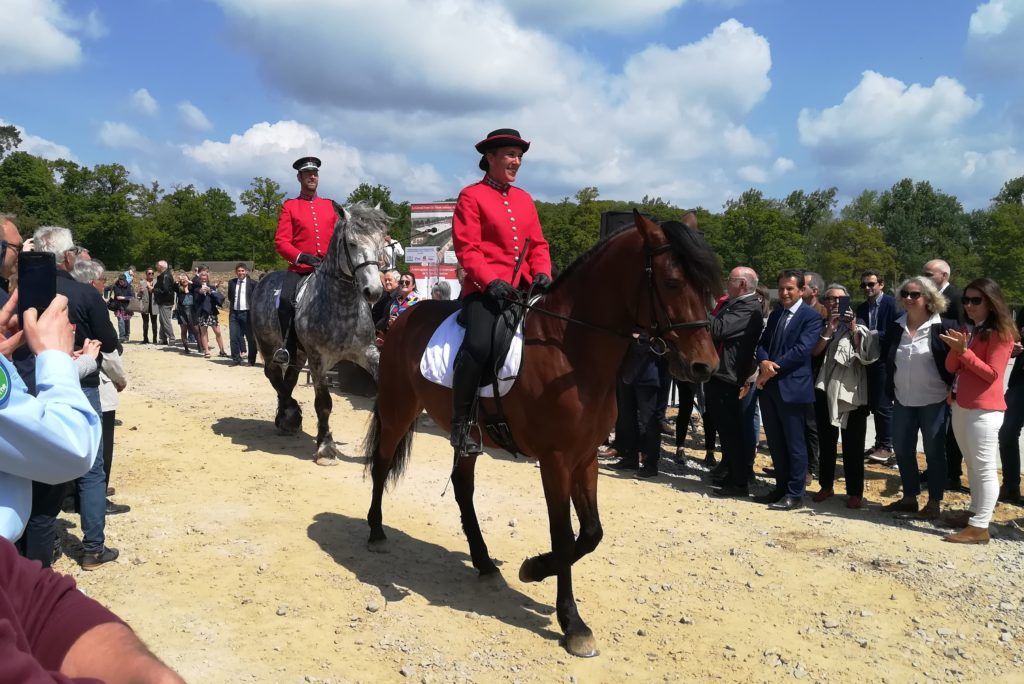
[(281, 357), (462, 440)]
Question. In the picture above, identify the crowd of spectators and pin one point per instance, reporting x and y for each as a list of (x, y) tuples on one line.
[(925, 361)]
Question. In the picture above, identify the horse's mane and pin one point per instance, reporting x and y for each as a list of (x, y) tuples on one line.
[(688, 246), (365, 217)]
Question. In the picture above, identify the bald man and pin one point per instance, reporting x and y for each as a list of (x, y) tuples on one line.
[(938, 271), (735, 329)]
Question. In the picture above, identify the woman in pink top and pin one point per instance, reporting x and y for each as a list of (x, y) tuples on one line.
[(979, 358)]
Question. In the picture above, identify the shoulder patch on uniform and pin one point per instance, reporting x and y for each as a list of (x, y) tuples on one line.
[(5, 386)]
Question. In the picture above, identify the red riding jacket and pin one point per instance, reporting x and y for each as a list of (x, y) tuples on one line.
[(305, 225), (489, 230)]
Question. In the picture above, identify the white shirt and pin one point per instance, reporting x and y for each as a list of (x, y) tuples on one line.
[(392, 250), (240, 303), (917, 380), (51, 438)]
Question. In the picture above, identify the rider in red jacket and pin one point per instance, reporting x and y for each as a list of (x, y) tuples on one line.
[(490, 229), (304, 231)]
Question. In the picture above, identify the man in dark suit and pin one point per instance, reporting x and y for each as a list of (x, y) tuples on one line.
[(877, 311), (735, 329), (939, 272), (787, 389), (240, 291)]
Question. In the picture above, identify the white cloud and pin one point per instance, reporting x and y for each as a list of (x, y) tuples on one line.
[(604, 14), (267, 149), (885, 130), (883, 111), (143, 102), (993, 17), (35, 35), (41, 147), (120, 135), (193, 117), (994, 38), (93, 26), (407, 54)]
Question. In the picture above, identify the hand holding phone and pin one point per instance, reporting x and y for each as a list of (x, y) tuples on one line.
[(37, 282), (51, 330)]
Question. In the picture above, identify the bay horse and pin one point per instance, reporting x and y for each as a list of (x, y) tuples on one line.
[(656, 279), (332, 319)]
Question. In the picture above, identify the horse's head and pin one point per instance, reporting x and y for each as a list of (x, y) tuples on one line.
[(684, 278), (356, 246)]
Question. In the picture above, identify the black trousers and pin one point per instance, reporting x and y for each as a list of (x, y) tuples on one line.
[(955, 457), (688, 392), (722, 404), (853, 446), (149, 320), (41, 531), (638, 427), (286, 308), (479, 312), (107, 422)]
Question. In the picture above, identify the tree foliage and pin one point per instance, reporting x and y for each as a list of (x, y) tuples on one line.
[(895, 231)]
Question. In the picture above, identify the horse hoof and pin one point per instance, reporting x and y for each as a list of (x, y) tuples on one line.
[(326, 461), (378, 546), (582, 645), (525, 574)]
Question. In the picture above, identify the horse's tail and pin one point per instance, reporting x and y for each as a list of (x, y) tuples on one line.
[(371, 447)]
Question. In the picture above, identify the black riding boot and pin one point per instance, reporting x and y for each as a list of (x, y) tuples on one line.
[(465, 381)]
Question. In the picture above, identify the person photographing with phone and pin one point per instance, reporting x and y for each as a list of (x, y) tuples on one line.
[(846, 349), (88, 314)]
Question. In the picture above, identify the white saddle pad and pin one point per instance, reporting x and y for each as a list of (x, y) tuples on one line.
[(439, 357)]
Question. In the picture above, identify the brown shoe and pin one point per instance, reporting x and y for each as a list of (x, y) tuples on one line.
[(957, 519), (968, 535), (904, 505), (929, 512)]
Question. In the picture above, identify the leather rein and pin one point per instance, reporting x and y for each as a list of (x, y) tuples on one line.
[(655, 330)]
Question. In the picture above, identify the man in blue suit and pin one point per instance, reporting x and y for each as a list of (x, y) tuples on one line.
[(877, 312), (787, 396)]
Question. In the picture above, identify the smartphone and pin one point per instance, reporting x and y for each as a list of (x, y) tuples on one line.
[(37, 281), (844, 304)]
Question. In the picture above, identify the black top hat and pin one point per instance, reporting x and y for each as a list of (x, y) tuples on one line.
[(500, 138), (306, 163)]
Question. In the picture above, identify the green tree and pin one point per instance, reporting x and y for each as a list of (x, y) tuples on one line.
[(921, 223), (262, 201), (1003, 253), (851, 247), (757, 232), (1011, 193), (9, 139)]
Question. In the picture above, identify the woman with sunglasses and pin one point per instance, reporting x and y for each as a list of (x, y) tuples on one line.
[(405, 297), (918, 382), (979, 355), (841, 392)]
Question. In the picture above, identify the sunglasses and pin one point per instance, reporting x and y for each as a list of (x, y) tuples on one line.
[(867, 286), (973, 301), (405, 282), (910, 295)]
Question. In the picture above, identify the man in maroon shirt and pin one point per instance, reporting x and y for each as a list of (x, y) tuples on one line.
[(492, 225), (304, 231), (51, 632)]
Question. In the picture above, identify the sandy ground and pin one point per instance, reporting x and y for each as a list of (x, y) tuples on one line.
[(243, 561)]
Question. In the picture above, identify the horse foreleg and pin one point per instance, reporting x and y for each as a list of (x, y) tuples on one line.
[(558, 486), (326, 449), (463, 483), (584, 499), (288, 418)]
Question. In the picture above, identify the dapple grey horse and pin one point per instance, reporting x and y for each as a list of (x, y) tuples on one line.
[(332, 319)]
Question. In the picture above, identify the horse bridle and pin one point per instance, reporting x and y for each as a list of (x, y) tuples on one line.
[(656, 329), (656, 340), (352, 266)]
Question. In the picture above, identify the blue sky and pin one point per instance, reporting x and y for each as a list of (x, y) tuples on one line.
[(691, 100)]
